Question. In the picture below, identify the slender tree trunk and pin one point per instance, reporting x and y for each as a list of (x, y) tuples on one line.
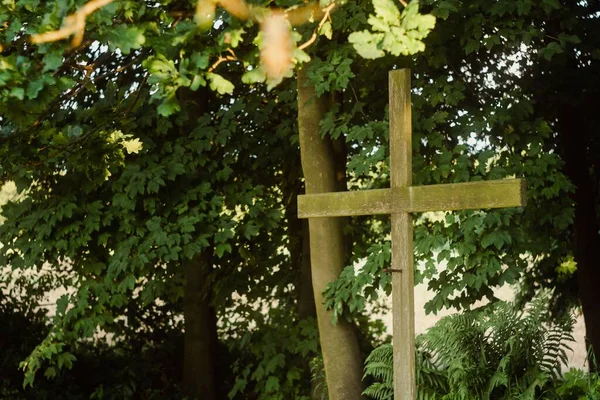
[(200, 339), (586, 242), (339, 343)]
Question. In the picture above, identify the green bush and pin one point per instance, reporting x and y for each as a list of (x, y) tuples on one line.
[(496, 352), (118, 371), (579, 385)]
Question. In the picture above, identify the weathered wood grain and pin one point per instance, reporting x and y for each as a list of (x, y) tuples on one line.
[(338, 204), (400, 201), (462, 196), (403, 286), (451, 196)]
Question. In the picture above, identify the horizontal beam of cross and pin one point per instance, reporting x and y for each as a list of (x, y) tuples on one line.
[(452, 196)]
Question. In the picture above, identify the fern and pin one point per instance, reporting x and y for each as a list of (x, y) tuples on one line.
[(496, 352), (379, 365), (318, 381)]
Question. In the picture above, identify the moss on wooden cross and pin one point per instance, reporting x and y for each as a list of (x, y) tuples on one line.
[(399, 201)]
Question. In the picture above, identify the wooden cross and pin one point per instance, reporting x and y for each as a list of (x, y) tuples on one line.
[(400, 201)]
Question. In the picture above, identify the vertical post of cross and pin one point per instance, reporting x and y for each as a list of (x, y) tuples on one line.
[(400, 201), (402, 238)]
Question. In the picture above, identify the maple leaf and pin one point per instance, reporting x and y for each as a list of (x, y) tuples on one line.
[(132, 146)]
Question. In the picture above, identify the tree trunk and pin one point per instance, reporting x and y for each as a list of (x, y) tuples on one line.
[(200, 338), (586, 242), (339, 343)]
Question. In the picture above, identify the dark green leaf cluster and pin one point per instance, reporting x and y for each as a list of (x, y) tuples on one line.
[(479, 113), (357, 287), (217, 171), (116, 226), (145, 365), (129, 168), (271, 361)]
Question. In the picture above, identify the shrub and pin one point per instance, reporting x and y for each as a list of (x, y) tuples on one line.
[(496, 352)]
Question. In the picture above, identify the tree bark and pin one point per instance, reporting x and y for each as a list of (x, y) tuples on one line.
[(200, 338), (339, 343), (586, 242)]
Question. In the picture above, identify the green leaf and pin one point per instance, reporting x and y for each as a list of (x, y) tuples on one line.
[(550, 5), (160, 68), (326, 30), (169, 106), (250, 229), (61, 304), (52, 61), (221, 248), (220, 84), (444, 8), (301, 56), (125, 38), (387, 11), (34, 87), (233, 37), (254, 76), (17, 92), (197, 82), (366, 44), (397, 34), (50, 372), (200, 60), (272, 384), (549, 51)]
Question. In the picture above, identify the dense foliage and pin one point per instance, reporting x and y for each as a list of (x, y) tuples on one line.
[(495, 352), (489, 102), (153, 150), (141, 158), (146, 367)]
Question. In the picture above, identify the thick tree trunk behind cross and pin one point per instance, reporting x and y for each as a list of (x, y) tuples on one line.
[(586, 242), (200, 339), (339, 343)]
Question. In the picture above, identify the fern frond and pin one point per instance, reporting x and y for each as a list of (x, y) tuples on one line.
[(380, 391)]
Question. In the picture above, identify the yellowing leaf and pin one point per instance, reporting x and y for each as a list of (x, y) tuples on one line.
[(326, 30), (393, 33), (567, 268), (132, 146), (387, 11), (115, 136)]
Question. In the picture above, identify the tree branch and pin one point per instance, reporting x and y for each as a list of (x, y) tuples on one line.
[(74, 25), (222, 59), (326, 16)]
